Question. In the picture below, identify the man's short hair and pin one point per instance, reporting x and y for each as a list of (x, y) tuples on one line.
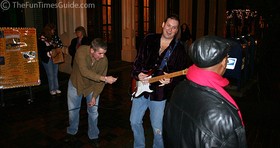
[(98, 43)]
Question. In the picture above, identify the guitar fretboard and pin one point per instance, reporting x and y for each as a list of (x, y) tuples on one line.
[(170, 75)]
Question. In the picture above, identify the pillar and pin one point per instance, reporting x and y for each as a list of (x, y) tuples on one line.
[(128, 31), (68, 20)]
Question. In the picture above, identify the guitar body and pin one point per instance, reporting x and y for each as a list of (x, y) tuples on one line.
[(135, 83), (138, 88), (141, 87)]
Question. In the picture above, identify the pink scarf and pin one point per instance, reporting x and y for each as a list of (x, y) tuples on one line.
[(213, 80)]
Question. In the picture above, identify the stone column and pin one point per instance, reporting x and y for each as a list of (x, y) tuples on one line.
[(221, 23), (161, 14), (212, 17), (128, 31), (200, 18), (186, 12), (68, 20)]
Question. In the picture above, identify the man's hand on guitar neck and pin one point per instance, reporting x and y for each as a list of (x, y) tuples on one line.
[(164, 80), (145, 79)]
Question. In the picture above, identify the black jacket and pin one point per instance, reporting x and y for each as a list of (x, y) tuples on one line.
[(148, 59), (43, 48), (199, 117), (72, 48)]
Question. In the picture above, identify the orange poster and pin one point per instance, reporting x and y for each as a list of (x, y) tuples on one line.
[(19, 65)]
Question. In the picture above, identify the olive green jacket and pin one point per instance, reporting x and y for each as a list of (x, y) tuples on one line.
[(85, 75)]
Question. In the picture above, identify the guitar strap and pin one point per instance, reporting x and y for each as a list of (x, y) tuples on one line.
[(167, 55)]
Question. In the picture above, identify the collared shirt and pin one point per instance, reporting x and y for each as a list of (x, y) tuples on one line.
[(86, 74)]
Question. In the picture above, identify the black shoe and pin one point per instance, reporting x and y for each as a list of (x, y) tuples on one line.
[(70, 138), (94, 142)]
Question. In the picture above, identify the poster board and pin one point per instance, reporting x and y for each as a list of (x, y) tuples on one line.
[(19, 63)]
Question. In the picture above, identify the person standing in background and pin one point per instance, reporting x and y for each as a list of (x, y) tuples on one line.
[(186, 33), (186, 36), (186, 39), (80, 39), (47, 41)]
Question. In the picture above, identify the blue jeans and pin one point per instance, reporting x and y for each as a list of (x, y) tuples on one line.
[(52, 72), (74, 104), (139, 107)]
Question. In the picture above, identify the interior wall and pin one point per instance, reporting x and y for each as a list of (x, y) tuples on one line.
[(68, 20)]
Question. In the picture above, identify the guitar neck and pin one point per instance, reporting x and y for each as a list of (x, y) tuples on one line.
[(170, 75)]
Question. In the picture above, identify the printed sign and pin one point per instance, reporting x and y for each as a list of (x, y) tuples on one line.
[(19, 66)]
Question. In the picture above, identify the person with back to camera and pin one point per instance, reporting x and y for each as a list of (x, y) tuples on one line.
[(47, 41), (201, 113), (87, 80), (158, 54), (80, 39)]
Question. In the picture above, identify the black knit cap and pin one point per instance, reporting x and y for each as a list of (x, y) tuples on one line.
[(208, 51)]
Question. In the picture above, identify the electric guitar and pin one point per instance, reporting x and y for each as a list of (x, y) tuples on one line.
[(139, 87)]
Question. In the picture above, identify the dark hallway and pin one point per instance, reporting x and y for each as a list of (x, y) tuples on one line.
[(43, 122)]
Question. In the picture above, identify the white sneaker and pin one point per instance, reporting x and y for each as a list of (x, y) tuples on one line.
[(58, 91), (52, 92)]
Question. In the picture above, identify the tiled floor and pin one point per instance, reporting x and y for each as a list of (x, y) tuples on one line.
[(43, 122)]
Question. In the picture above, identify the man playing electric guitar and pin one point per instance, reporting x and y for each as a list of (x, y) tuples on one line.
[(161, 53)]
